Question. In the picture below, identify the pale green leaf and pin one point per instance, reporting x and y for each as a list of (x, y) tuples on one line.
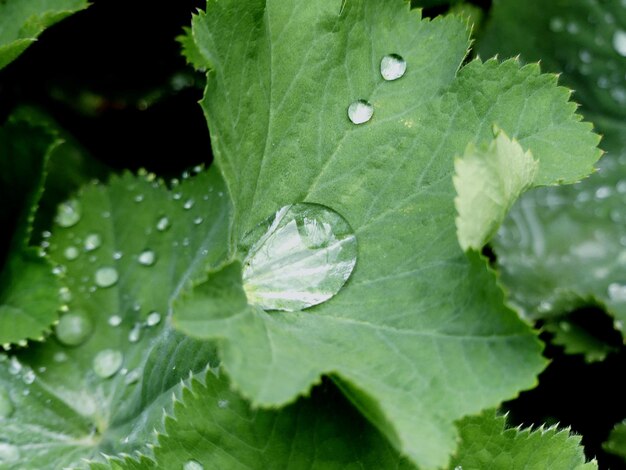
[(566, 247), (22, 21), (57, 409), (488, 180), (485, 443), (419, 336), (616, 443)]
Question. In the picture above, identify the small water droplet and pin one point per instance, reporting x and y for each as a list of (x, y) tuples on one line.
[(619, 42), (135, 333), (92, 241), (176, 196), (132, 377), (557, 24), (115, 320), (572, 27), (58, 270), (117, 255), (107, 362), (60, 356), (15, 366), (617, 292), (154, 318), (6, 405), (223, 403), (585, 56), (360, 112), (198, 220), (619, 94), (68, 213), (147, 258), (8, 452), (299, 257), (392, 67), (603, 192), (138, 198), (193, 465), (163, 224), (106, 276), (46, 234), (74, 328), (188, 204), (71, 253), (28, 377)]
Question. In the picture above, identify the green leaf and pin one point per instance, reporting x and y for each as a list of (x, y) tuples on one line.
[(28, 290), (322, 432), (566, 247), (71, 398), (616, 442), (488, 181), (22, 21), (485, 443), (419, 333)]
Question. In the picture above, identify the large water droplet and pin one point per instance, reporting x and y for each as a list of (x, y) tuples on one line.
[(147, 258), (360, 111), (163, 224), (8, 452), (619, 42), (193, 465), (107, 363), (299, 257), (6, 405), (74, 328), (106, 276), (92, 241), (392, 67), (68, 213)]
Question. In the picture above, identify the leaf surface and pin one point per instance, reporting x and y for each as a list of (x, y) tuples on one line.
[(485, 443), (21, 22), (63, 401), (565, 247), (419, 336)]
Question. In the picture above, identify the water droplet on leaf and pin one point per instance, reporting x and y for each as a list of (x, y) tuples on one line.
[(163, 224), (188, 204), (68, 213), (299, 257), (392, 67), (154, 318), (619, 42), (106, 276), (6, 405), (360, 112), (107, 363), (115, 320), (135, 333), (617, 292), (74, 328), (71, 253), (92, 241), (192, 465), (147, 258)]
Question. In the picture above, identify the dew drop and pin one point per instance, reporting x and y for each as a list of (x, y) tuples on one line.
[(59, 357), (92, 241), (115, 320), (360, 112), (106, 276), (71, 253), (617, 292), (163, 224), (74, 328), (132, 377), (107, 362), (6, 405), (556, 24), (223, 404), (138, 198), (68, 213), (117, 255), (147, 258), (392, 67), (193, 465), (135, 333), (29, 376), (619, 42), (198, 220), (299, 257), (15, 366), (585, 56), (188, 204), (8, 452), (154, 318)]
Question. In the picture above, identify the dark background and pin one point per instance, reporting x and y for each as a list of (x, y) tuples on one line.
[(113, 77)]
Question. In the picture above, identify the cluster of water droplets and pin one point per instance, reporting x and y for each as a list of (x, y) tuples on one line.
[(392, 67)]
